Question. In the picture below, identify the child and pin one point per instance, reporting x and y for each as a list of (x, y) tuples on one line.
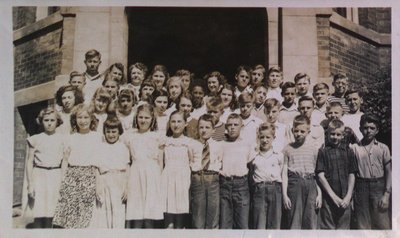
[(80, 187), (320, 94), (126, 100), (67, 97), (250, 122), (186, 78), (340, 84), (146, 89), (301, 195), (281, 135), (112, 87), (45, 154), (336, 168), (352, 119), (374, 180), (179, 150), (205, 178), (257, 76), (274, 82), (101, 102), (161, 103), (260, 94), (136, 74), (198, 92), (93, 78), (215, 81), (215, 107), (113, 167), (116, 72), (175, 90), (143, 205), (159, 75), (184, 104), (267, 189), (288, 110), (242, 77), (77, 79), (234, 188), (229, 100), (302, 82)]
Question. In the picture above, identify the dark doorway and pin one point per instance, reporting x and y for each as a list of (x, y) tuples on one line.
[(198, 39)]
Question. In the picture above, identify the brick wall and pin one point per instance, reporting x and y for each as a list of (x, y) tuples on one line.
[(377, 19), (323, 35), (37, 57), (23, 16)]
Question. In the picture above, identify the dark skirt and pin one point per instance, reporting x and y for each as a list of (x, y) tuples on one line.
[(77, 198)]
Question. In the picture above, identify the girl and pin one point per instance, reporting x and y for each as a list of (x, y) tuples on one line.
[(179, 150), (143, 204), (125, 112), (43, 171), (67, 97), (136, 74), (230, 102), (257, 76), (184, 104), (199, 106), (146, 89), (101, 102), (113, 167), (78, 188), (186, 77), (174, 89), (242, 77), (159, 75), (215, 80), (161, 103), (116, 71), (274, 82), (112, 87)]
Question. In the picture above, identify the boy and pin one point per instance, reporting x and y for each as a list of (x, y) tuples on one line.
[(288, 110), (257, 76), (93, 78), (198, 93), (336, 169), (302, 82), (205, 178), (250, 122), (77, 79), (320, 94), (340, 84), (374, 180), (271, 110), (234, 188), (335, 111), (267, 190), (352, 119), (301, 195), (215, 107), (274, 82), (260, 94)]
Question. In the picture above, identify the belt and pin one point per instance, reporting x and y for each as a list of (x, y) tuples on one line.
[(304, 176), (114, 171), (234, 177), (48, 168), (205, 172), (269, 183), (371, 180)]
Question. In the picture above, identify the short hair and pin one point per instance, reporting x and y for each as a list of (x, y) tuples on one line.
[(339, 76), (207, 117), (234, 116), (270, 103), (83, 108), (306, 98), (274, 69), (335, 124), (69, 88), (90, 54), (245, 97), (351, 91), (287, 85), (370, 118), (112, 122), (103, 94), (76, 74), (245, 68), (159, 93), (215, 103), (138, 65), (234, 103), (169, 132), (320, 86), (332, 105), (160, 68), (127, 93), (108, 78), (259, 66), (183, 72), (186, 95), (220, 77), (120, 67), (48, 111), (300, 76), (266, 126), (301, 120), (145, 83), (150, 109)]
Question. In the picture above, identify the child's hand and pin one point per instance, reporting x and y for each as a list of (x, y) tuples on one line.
[(31, 192), (384, 202), (286, 202), (124, 194), (337, 200), (345, 202), (318, 201)]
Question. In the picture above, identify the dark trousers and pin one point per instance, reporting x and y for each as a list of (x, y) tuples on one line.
[(333, 217), (205, 201), (267, 205), (367, 214), (234, 202)]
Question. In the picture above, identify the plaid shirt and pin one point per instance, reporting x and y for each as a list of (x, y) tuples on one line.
[(337, 163)]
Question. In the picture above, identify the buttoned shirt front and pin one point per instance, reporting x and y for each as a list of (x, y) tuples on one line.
[(268, 167), (215, 148)]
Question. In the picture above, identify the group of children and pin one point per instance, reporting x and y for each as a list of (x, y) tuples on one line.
[(151, 151)]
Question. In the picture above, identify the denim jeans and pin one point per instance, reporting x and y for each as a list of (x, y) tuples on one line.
[(333, 217), (235, 203), (302, 193), (205, 201), (367, 214), (267, 205)]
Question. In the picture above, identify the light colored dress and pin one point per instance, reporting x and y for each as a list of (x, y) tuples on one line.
[(144, 201), (48, 153), (65, 127), (178, 154), (102, 118), (126, 121)]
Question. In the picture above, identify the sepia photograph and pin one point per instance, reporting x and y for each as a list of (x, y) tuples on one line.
[(245, 117)]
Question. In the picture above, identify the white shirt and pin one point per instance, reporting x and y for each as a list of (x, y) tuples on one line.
[(268, 166), (275, 93), (249, 129), (215, 157), (235, 156), (353, 121), (84, 148)]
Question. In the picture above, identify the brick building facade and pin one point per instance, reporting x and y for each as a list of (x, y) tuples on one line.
[(50, 42)]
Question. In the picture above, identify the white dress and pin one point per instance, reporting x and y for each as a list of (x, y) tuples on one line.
[(178, 153), (144, 201)]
